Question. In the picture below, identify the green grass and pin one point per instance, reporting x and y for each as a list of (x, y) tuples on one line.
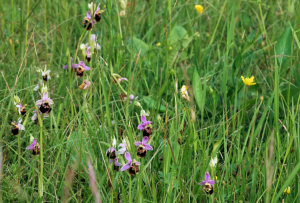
[(254, 131)]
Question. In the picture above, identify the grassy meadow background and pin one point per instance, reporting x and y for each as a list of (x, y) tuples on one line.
[(254, 131)]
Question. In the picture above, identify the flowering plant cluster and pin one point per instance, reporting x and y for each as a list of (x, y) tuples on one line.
[(142, 147)]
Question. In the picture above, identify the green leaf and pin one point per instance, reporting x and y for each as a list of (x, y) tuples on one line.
[(179, 37), (136, 45), (151, 103), (284, 46)]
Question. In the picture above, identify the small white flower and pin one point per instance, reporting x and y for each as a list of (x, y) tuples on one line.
[(114, 142), (20, 126), (143, 112), (138, 104), (184, 92), (122, 13), (82, 46), (123, 4), (36, 88), (92, 6), (122, 147), (213, 162), (16, 100)]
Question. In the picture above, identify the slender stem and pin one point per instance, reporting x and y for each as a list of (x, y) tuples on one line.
[(19, 156), (40, 118)]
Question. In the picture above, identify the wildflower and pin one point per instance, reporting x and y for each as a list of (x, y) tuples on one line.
[(21, 109), (123, 147), (88, 54), (138, 104), (262, 98), (213, 162), (143, 147), (158, 44), (34, 147), (98, 13), (208, 184), (170, 48), (116, 164), (44, 104), (143, 112), (85, 84), (16, 127), (16, 100), (35, 116), (92, 6), (122, 79), (123, 4), (36, 88), (184, 92), (131, 97), (80, 68), (145, 126), (94, 43), (287, 190), (45, 74), (122, 13), (132, 165), (199, 8), (248, 81), (111, 153), (88, 21)]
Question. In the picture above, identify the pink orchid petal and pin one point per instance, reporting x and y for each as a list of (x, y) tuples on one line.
[(125, 167), (202, 183), (148, 147), (138, 143), (128, 157), (145, 139), (143, 119), (207, 176)]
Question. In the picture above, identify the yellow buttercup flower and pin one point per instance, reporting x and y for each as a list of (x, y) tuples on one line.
[(287, 191), (248, 81), (158, 44), (199, 8), (170, 48)]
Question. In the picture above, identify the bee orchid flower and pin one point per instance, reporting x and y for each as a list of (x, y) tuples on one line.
[(208, 184), (111, 153), (17, 126), (132, 165), (44, 105), (116, 164), (143, 147), (80, 68), (34, 147), (88, 21), (145, 126)]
